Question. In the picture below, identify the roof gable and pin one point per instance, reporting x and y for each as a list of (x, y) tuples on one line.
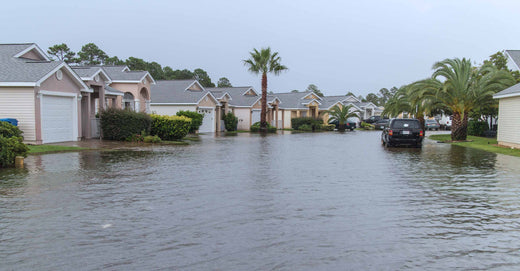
[(33, 52)]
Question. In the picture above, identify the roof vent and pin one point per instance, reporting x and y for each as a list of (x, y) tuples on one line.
[(59, 75)]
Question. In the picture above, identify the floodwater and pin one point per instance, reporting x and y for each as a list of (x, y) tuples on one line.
[(326, 201)]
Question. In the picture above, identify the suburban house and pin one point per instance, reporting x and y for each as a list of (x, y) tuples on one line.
[(101, 97), (46, 97), (171, 96), (135, 86), (513, 59), (297, 104), (240, 101), (330, 101), (509, 116)]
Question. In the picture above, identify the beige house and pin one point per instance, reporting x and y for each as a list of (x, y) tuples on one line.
[(172, 96), (241, 101), (509, 116), (135, 86), (295, 105), (44, 96)]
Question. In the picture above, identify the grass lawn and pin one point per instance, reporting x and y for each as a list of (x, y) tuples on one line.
[(481, 143), (39, 149)]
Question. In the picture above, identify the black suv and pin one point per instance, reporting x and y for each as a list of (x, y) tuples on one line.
[(403, 132), (372, 119)]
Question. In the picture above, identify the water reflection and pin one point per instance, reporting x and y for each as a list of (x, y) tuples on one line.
[(287, 201)]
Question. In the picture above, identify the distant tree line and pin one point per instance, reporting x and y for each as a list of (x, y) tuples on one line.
[(91, 54)]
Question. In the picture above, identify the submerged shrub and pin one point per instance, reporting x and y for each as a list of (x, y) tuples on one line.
[(10, 147), (170, 127), (121, 124), (152, 139), (315, 124), (256, 128), (196, 119), (328, 127), (367, 126), (230, 121)]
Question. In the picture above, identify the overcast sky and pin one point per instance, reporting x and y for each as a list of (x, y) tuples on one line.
[(340, 46)]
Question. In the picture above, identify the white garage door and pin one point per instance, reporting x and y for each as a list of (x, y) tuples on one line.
[(58, 119), (208, 123), (255, 117)]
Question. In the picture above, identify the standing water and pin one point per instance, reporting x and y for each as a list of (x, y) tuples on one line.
[(326, 201)]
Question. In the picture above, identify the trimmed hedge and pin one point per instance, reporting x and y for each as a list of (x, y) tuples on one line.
[(367, 126), (315, 124), (328, 127), (196, 119), (170, 127), (230, 121), (256, 128), (11, 144), (477, 128), (121, 124)]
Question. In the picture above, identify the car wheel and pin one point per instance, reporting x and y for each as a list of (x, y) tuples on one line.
[(387, 144)]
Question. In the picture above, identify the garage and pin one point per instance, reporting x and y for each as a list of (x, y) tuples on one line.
[(59, 123), (255, 116), (208, 123)]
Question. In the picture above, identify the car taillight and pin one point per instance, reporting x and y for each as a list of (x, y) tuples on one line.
[(390, 132), (421, 133)]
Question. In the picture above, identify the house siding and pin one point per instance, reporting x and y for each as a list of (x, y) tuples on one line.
[(287, 119), (244, 118), (509, 122), (18, 103)]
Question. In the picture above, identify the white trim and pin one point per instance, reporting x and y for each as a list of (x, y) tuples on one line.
[(57, 93), (240, 106), (69, 71), (250, 88), (107, 78), (34, 46), (313, 100), (214, 99), (17, 84), (206, 107), (345, 100), (513, 61), (194, 82), (328, 108), (506, 95), (152, 81), (125, 69), (351, 103), (319, 98)]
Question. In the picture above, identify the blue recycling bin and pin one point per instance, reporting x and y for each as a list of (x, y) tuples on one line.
[(12, 121)]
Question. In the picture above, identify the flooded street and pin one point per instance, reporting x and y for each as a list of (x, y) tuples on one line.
[(326, 201)]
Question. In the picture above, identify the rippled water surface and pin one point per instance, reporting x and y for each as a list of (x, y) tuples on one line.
[(283, 202)]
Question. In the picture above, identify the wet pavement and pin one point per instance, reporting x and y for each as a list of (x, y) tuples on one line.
[(326, 201)]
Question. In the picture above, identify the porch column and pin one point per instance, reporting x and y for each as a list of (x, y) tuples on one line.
[(217, 117), (276, 118)]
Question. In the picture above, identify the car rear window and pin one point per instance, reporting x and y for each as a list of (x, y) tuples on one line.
[(413, 124), (431, 121)]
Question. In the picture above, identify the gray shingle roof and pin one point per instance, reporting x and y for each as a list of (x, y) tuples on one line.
[(174, 91), (515, 55), (511, 92), (112, 91), (292, 100), (13, 69), (116, 73), (237, 97), (85, 71)]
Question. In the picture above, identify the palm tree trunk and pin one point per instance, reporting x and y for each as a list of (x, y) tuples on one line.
[(459, 127), (263, 113)]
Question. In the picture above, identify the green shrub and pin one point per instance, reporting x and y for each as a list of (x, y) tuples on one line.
[(230, 121), (305, 127), (367, 126), (152, 139), (315, 124), (328, 127), (256, 128), (170, 127), (10, 147), (9, 130), (121, 124), (196, 119), (135, 138), (477, 128)]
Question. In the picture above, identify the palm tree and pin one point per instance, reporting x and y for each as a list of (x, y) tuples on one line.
[(264, 61), (460, 87), (342, 114)]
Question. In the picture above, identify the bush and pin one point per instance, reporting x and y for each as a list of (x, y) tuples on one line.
[(328, 127), (170, 127), (10, 147), (367, 126), (152, 139), (315, 124), (121, 124), (305, 127), (196, 119), (477, 128), (9, 130), (256, 128), (230, 121)]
